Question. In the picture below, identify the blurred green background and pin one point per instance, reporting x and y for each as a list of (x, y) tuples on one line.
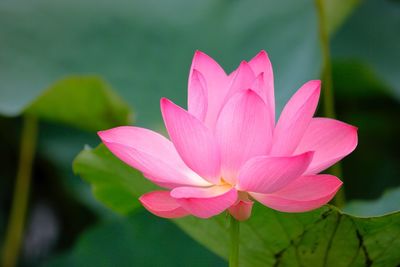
[(143, 49)]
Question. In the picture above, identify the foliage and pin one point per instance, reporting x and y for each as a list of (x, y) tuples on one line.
[(389, 202), (98, 167), (269, 238), (144, 47), (143, 240), (84, 102)]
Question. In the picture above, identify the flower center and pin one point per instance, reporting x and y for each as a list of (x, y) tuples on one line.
[(222, 181)]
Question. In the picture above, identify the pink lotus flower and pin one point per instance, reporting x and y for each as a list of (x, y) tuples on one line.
[(226, 150)]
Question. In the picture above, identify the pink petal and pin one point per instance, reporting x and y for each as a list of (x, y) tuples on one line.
[(216, 83), (331, 140), (197, 96), (262, 65), (241, 211), (160, 203), (150, 153), (304, 194), (259, 85), (267, 174), (242, 79), (194, 142), (243, 131), (295, 119), (205, 202)]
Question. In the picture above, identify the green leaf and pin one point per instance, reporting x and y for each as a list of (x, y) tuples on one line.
[(373, 41), (337, 11), (82, 101), (144, 48), (137, 240), (387, 203), (355, 79), (114, 183), (324, 237)]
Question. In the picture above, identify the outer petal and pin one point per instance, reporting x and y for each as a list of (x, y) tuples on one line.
[(295, 118), (205, 202), (197, 96), (331, 140), (304, 194), (150, 153), (243, 131), (194, 142), (267, 174), (261, 64), (216, 84), (160, 203)]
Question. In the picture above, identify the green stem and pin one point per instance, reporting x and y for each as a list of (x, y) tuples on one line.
[(16, 221), (234, 251), (327, 81)]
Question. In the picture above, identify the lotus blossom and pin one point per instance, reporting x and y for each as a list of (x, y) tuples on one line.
[(226, 150)]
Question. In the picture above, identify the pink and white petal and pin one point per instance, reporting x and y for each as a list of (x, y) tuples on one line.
[(295, 118), (242, 79), (216, 83), (261, 64), (197, 96), (205, 202), (304, 194), (266, 174), (241, 211), (150, 153), (331, 140), (243, 131), (161, 204), (194, 142)]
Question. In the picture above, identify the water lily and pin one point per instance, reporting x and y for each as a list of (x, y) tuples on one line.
[(226, 150)]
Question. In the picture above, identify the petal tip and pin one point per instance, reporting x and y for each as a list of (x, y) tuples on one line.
[(336, 183), (354, 128), (250, 93), (317, 84), (195, 72), (262, 54), (260, 76), (105, 135), (164, 103), (313, 85), (101, 134), (336, 187), (161, 204), (198, 53)]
